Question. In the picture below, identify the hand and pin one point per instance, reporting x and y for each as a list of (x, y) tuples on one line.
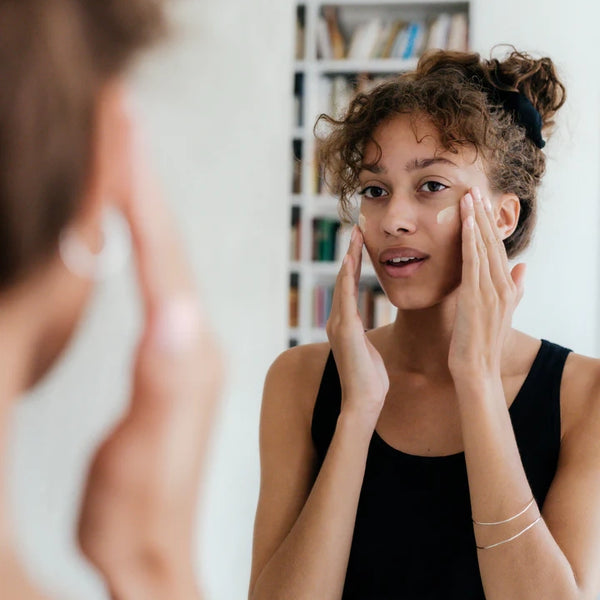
[(488, 294), (137, 519), (363, 377)]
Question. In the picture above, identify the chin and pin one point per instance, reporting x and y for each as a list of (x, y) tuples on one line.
[(405, 296)]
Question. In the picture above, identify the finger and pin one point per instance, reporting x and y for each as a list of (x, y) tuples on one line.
[(337, 289), (470, 256), (165, 277), (498, 236), (490, 239), (486, 285), (176, 337), (356, 250), (348, 293)]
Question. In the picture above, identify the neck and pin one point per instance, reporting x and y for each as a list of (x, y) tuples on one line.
[(419, 340)]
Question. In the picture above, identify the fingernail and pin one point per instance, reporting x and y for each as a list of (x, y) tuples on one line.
[(177, 325), (353, 236), (488, 204), (476, 193), (469, 222), (469, 200)]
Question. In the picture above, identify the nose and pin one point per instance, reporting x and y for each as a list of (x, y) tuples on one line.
[(399, 216)]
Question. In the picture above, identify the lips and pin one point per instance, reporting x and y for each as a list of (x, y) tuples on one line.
[(401, 255), (402, 261)]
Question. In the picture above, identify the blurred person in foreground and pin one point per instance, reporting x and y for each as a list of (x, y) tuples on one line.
[(70, 154)]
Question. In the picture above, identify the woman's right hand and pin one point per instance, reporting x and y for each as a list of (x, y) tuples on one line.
[(138, 512), (363, 376)]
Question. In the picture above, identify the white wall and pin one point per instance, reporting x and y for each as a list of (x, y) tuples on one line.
[(218, 105), (561, 299)]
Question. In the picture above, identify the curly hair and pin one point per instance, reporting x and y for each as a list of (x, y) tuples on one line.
[(55, 56), (458, 93)]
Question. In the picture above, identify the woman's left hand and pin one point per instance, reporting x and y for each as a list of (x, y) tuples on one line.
[(488, 295)]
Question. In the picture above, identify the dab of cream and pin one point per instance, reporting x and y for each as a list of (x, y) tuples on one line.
[(447, 215), (362, 222)]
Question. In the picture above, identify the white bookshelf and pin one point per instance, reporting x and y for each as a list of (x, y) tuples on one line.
[(314, 74)]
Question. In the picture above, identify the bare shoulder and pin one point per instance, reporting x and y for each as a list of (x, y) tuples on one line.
[(295, 376), (580, 396)]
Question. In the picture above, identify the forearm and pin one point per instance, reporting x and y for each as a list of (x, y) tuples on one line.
[(532, 566), (311, 562)]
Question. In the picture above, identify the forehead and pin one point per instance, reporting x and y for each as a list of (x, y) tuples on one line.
[(405, 137)]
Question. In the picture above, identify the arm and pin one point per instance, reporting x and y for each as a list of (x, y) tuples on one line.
[(303, 535), (556, 557)]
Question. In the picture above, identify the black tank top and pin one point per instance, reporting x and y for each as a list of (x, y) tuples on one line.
[(413, 536)]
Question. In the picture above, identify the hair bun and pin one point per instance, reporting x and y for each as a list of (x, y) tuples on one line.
[(535, 78)]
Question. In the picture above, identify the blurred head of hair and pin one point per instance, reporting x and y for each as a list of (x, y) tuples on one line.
[(56, 56)]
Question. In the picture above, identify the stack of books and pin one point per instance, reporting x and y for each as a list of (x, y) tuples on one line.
[(378, 39)]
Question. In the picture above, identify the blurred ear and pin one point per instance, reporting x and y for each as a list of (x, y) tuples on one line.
[(506, 213)]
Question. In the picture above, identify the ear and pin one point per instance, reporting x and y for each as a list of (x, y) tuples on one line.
[(506, 213)]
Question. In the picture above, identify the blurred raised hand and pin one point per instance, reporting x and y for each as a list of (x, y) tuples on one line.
[(138, 513)]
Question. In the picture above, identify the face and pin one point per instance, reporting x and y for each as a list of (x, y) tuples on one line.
[(410, 208)]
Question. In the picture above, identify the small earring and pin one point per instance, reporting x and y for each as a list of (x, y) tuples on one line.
[(112, 257)]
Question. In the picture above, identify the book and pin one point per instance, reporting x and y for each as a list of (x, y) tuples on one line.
[(300, 33), (400, 43), (295, 233), (364, 41), (395, 29), (322, 300), (324, 46), (338, 44), (458, 33), (438, 32), (296, 166), (293, 300), (299, 100), (324, 239)]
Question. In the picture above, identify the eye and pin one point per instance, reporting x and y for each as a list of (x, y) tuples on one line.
[(373, 191), (433, 186)]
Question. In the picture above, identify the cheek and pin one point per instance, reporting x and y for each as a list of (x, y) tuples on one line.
[(447, 216), (362, 222)]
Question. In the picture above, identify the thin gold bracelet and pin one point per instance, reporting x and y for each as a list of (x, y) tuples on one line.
[(510, 539), (505, 520)]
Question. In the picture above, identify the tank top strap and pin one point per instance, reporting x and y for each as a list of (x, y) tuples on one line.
[(540, 392), (535, 416), (327, 408)]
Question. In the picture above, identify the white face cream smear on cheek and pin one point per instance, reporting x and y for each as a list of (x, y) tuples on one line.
[(447, 215), (362, 222)]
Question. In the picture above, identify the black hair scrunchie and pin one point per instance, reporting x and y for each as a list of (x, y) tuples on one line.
[(525, 113)]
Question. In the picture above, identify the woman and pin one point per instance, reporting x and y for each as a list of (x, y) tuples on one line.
[(69, 152), (445, 455)]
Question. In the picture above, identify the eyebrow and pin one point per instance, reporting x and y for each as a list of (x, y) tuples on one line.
[(412, 165)]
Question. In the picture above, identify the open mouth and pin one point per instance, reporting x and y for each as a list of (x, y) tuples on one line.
[(403, 261)]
